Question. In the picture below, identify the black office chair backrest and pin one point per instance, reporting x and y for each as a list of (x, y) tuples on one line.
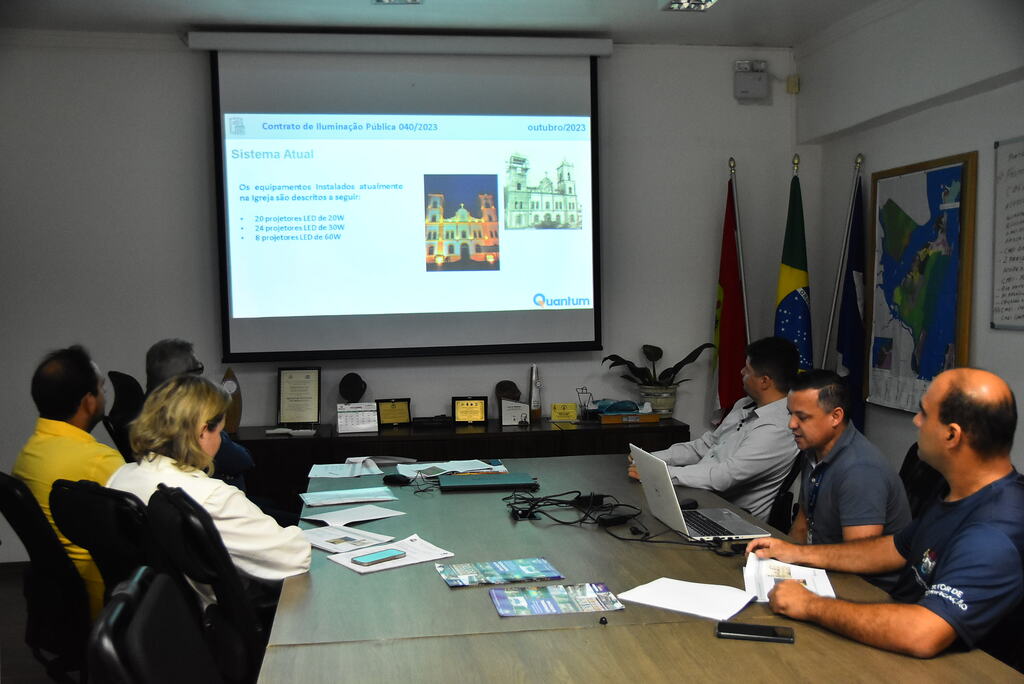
[(147, 635), (781, 515), (110, 524), (128, 400), (923, 484), (57, 605), (193, 546)]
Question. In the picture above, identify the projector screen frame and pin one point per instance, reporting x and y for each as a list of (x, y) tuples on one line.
[(229, 356)]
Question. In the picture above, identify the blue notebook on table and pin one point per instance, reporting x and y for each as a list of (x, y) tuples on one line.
[(477, 481)]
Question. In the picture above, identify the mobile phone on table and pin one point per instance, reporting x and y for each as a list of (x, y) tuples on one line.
[(378, 557), (742, 630)]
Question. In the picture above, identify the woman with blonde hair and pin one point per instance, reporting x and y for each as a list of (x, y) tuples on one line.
[(175, 439)]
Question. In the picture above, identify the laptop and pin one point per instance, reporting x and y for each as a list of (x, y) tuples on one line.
[(707, 524)]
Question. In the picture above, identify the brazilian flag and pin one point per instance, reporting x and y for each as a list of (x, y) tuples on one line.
[(793, 299)]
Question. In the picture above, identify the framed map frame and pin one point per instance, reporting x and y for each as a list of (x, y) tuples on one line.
[(922, 247)]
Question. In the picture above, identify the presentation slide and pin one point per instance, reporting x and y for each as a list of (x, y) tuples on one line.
[(407, 214)]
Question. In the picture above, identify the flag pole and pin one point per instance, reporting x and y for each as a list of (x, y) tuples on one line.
[(739, 245), (857, 162)]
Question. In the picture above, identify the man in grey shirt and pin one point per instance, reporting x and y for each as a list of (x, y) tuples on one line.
[(746, 458), (849, 489)]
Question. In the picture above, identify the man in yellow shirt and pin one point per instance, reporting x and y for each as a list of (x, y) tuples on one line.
[(68, 392)]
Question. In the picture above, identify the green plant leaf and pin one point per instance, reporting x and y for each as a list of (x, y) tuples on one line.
[(641, 374), (652, 353), (667, 376)]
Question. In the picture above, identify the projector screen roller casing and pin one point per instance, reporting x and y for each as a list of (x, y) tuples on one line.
[(400, 205)]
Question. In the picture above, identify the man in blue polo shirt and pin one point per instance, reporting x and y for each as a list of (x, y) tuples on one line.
[(960, 563), (849, 491)]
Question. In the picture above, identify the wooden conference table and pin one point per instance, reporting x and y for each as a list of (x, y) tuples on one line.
[(406, 625)]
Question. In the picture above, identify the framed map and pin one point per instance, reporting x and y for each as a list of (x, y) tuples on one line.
[(922, 237)]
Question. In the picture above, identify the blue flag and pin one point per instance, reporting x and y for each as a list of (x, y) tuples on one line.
[(793, 297), (850, 340)]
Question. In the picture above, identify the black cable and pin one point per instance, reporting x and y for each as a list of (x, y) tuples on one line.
[(526, 506), (592, 508)]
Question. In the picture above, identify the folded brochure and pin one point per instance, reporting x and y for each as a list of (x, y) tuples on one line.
[(497, 572), (554, 599)]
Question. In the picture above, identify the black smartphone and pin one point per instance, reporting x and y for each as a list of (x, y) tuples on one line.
[(742, 630)]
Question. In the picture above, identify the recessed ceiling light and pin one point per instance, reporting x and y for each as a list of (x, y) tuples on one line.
[(687, 5)]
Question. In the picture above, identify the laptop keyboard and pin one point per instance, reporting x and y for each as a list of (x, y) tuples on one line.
[(702, 526)]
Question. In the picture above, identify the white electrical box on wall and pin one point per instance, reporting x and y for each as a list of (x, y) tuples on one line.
[(750, 85)]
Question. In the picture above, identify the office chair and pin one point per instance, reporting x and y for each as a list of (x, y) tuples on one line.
[(922, 483), (110, 524), (146, 634), (128, 399), (55, 597), (781, 514), (192, 546)]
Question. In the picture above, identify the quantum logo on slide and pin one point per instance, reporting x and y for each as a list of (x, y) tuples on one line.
[(542, 301)]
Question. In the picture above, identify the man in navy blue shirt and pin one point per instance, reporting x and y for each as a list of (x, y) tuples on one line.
[(961, 562)]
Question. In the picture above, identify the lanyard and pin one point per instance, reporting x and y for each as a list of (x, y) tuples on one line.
[(814, 486)]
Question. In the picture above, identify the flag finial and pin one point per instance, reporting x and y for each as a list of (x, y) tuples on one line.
[(858, 161), (796, 164), (732, 166)]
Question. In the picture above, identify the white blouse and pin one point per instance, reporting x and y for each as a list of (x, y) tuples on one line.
[(260, 547)]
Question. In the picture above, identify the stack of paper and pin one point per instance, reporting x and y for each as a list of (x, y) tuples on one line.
[(434, 469)]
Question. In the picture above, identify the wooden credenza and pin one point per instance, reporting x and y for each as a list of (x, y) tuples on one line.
[(283, 462)]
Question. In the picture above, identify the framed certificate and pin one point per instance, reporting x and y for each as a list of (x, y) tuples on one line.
[(298, 396), (469, 410), (393, 412)]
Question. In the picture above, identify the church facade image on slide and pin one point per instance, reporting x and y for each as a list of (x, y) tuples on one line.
[(467, 238), (549, 204)]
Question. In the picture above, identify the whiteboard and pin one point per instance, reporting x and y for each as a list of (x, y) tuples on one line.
[(1008, 236)]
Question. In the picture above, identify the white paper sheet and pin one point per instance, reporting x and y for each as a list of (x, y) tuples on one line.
[(416, 551), (760, 575), (706, 600), (435, 469), (346, 516), (352, 467), (338, 539), (338, 497)]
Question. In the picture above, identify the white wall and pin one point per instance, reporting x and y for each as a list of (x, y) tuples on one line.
[(896, 116), (971, 124), (902, 56), (108, 220)]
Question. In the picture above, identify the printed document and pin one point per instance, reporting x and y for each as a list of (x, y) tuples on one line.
[(346, 516), (347, 496), (713, 601), (761, 574), (416, 551), (339, 539), (352, 467)]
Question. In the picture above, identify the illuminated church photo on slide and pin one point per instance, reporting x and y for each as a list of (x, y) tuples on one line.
[(461, 226)]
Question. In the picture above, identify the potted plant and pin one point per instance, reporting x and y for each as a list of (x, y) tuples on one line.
[(657, 388)]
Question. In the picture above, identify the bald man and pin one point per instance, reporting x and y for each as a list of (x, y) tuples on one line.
[(960, 562)]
